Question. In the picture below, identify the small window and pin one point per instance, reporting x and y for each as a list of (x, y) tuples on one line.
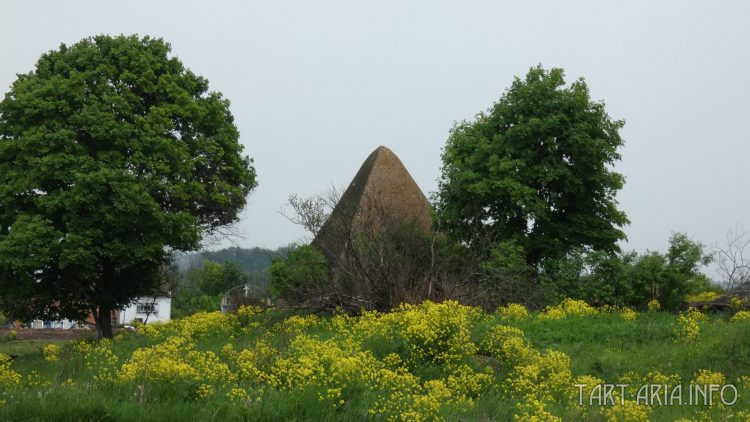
[(146, 308)]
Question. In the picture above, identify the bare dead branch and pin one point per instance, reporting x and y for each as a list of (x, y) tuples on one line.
[(733, 261)]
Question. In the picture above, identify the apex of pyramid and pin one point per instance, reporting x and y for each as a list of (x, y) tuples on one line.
[(382, 150), (383, 182)]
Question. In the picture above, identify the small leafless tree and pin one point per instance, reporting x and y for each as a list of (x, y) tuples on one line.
[(311, 212), (149, 305), (230, 233), (511, 285), (733, 261)]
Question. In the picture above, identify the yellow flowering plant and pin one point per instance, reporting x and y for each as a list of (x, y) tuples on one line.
[(513, 311), (51, 352), (689, 325), (568, 307), (706, 296), (736, 303), (8, 377), (420, 362), (436, 332), (654, 305), (174, 361), (626, 411)]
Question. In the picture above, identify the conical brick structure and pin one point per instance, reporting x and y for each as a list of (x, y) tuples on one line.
[(382, 186)]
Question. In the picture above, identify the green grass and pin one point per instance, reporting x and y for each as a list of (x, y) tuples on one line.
[(25, 347), (605, 346)]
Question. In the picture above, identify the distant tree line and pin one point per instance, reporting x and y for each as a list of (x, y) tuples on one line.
[(249, 260)]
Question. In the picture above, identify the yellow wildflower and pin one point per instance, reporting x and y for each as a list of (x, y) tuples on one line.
[(689, 325), (8, 377), (51, 352), (627, 411), (654, 305), (568, 307), (513, 311), (628, 314), (702, 297), (204, 391)]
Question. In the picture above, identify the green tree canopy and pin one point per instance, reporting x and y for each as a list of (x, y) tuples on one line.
[(535, 170), (111, 154), (214, 278)]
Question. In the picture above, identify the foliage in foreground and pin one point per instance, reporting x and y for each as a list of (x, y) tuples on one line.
[(432, 361)]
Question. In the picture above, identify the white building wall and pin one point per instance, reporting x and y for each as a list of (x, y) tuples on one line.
[(64, 324), (162, 310)]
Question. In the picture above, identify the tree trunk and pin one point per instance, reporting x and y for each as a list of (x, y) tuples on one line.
[(150, 310), (103, 319)]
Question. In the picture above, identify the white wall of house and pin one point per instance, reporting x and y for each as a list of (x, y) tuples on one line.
[(160, 309), (64, 324)]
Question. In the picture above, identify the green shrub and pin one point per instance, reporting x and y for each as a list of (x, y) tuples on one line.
[(301, 273)]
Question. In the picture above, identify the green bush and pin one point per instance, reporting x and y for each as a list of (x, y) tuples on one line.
[(632, 280), (189, 301), (301, 273)]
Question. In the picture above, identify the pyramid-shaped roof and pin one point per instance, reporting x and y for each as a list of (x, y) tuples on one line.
[(383, 183)]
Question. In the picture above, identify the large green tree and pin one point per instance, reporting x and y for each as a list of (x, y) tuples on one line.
[(112, 153), (534, 171)]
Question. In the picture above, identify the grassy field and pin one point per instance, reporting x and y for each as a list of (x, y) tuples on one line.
[(427, 362)]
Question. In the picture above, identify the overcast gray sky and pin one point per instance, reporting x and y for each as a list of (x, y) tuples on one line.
[(316, 86)]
